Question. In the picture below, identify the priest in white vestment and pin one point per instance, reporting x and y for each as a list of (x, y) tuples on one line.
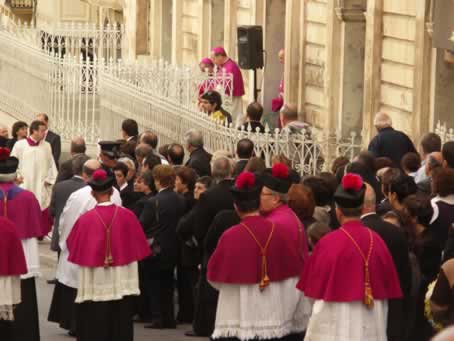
[(37, 169)]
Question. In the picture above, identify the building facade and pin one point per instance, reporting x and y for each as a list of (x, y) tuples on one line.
[(345, 59)]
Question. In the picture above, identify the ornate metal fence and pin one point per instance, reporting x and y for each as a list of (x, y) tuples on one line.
[(170, 116), (58, 72), (446, 134)]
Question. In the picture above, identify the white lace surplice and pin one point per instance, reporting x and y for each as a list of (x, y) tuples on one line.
[(30, 247), (347, 321), (247, 313), (107, 284), (10, 295)]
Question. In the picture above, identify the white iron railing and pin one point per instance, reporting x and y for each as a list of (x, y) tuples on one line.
[(122, 97), (58, 72), (89, 39), (446, 134), (21, 3)]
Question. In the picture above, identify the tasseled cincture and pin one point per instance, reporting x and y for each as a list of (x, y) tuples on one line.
[(264, 279)]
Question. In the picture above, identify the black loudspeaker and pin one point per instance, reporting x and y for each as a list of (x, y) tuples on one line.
[(250, 47)]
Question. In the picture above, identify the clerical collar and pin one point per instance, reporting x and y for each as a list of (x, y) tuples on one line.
[(31, 142), (367, 214), (107, 203), (163, 189), (129, 138), (123, 186)]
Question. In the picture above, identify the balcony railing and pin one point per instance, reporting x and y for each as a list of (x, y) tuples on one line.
[(21, 3)]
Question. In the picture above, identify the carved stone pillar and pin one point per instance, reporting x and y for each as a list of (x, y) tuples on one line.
[(347, 66)]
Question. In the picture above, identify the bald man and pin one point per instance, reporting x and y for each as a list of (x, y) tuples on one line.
[(398, 247), (390, 142), (78, 147)]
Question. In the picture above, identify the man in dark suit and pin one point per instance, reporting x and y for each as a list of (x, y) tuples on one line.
[(244, 151), (159, 219), (78, 148), (51, 137), (60, 194), (175, 154), (254, 114), (130, 133), (218, 198), (396, 242), (126, 189), (199, 158), (388, 142)]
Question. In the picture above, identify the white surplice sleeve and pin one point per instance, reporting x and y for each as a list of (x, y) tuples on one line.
[(17, 153), (52, 168)]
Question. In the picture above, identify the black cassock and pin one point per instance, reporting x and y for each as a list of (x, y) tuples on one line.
[(206, 295), (26, 322), (63, 307)]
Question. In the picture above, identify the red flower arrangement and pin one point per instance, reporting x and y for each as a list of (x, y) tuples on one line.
[(245, 180), (280, 170), (99, 175), (352, 181), (4, 154)]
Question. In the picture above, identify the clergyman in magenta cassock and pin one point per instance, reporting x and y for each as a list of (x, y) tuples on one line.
[(106, 243), (350, 275), (22, 208), (255, 267)]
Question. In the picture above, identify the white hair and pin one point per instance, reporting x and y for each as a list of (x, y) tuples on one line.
[(194, 138), (128, 162), (382, 120)]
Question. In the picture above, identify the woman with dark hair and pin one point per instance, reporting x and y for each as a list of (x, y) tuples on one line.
[(418, 211), (399, 188), (301, 201), (19, 131)]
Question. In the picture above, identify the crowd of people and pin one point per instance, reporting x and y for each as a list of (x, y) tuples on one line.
[(361, 252)]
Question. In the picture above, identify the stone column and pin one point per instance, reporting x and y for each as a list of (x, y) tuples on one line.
[(372, 75), (347, 61), (177, 32), (130, 15), (156, 28), (230, 25), (292, 41), (273, 41), (423, 54)]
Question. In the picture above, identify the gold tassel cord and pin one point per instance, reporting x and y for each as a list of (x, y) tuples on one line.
[(264, 280), (108, 259), (368, 299)]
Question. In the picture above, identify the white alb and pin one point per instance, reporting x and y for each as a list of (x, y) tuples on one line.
[(246, 313)]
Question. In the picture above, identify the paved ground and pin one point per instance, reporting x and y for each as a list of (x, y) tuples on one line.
[(51, 332)]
